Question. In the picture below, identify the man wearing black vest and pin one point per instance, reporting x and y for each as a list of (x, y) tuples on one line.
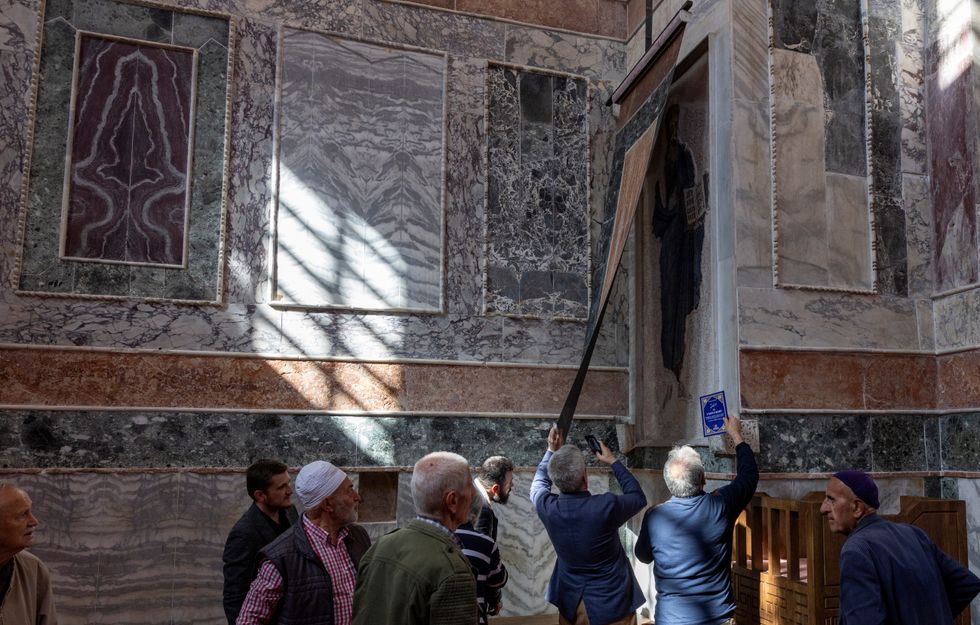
[(308, 574), (271, 514)]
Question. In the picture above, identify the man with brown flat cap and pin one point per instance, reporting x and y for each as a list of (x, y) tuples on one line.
[(890, 573)]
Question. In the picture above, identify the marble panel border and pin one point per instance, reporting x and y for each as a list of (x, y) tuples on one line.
[(28, 155), (773, 163), (59, 378), (591, 90), (445, 191)]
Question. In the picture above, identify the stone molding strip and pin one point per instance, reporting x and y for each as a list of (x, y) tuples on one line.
[(543, 15), (84, 379), (316, 357)]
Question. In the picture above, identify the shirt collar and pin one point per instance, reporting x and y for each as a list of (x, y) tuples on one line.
[(315, 532)]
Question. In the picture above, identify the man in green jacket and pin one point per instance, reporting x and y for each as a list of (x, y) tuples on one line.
[(418, 575)]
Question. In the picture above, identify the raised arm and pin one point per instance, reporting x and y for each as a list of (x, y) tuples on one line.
[(738, 493), (541, 485), (632, 500)]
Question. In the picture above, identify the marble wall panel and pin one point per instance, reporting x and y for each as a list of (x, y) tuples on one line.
[(957, 320), (959, 444), (360, 203), (566, 52), (819, 129), (40, 269), (911, 86), (250, 171), (537, 204), (750, 43), (918, 219), (951, 130), (19, 20), (753, 194), (969, 491), (129, 158), (437, 30), (795, 318)]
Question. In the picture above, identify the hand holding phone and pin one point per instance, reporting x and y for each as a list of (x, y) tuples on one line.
[(593, 443)]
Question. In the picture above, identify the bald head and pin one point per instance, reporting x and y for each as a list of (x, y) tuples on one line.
[(17, 521)]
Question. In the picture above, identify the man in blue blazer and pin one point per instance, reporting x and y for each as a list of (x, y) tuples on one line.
[(592, 581)]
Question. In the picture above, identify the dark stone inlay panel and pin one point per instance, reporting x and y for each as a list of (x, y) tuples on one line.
[(538, 200), (41, 270), (960, 442), (174, 439), (128, 196), (814, 443)]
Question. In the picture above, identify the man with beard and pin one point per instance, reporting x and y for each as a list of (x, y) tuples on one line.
[(494, 480), (308, 573), (271, 514)]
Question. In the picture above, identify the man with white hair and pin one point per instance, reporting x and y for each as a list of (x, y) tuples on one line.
[(25, 584), (418, 575), (308, 574), (592, 582), (689, 537)]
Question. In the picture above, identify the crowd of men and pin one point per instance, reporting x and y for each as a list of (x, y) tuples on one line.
[(319, 567)]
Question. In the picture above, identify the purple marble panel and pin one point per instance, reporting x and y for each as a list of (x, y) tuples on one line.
[(951, 168), (127, 199)]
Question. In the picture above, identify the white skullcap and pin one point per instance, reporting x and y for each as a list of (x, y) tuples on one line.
[(317, 481)]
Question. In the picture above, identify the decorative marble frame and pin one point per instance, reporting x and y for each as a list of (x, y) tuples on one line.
[(221, 216), (274, 299), (869, 129), (66, 185), (589, 279)]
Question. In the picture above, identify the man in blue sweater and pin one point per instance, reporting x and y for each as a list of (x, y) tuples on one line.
[(592, 581), (689, 537), (890, 573)]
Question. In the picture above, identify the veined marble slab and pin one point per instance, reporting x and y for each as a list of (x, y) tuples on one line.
[(360, 210)]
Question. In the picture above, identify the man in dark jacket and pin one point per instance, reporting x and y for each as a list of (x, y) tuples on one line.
[(307, 575), (689, 537), (271, 514), (890, 573), (592, 577)]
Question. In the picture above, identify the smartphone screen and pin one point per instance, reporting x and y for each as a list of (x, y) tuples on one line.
[(593, 443)]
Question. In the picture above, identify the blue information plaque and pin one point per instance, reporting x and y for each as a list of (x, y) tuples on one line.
[(713, 413)]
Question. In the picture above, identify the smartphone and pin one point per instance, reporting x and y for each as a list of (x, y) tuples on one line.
[(593, 443)]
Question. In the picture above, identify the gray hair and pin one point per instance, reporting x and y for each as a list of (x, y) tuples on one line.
[(684, 472), (566, 469), (435, 475)]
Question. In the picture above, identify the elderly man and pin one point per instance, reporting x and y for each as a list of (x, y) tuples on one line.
[(417, 575), (271, 514), (494, 480), (592, 581), (308, 574), (890, 573), (25, 585), (689, 536)]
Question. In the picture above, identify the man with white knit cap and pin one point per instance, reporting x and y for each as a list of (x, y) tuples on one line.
[(308, 574)]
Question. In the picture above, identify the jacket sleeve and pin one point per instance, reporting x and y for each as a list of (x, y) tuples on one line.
[(738, 493), (541, 485), (961, 584), (643, 550), (632, 500), (497, 577), (237, 572), (860, 591), (46, 614)]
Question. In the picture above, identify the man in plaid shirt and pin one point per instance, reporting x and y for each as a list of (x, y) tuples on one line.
[(318, 556)]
